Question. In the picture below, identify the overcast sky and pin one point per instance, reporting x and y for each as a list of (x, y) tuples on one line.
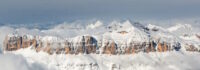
[(35, 11)]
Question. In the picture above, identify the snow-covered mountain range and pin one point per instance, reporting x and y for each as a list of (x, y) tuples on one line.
[(116, 38), (89, 42)]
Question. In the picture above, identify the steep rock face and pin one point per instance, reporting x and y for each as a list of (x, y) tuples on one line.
[(150, 47), (16, 42), (110, 47), (12, 43), (163, 47), (133, 48), (88, 44), (66, 48), (82, 44)]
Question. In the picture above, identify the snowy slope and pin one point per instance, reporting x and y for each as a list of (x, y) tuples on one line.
[(186, 33), (131, 34), (181, 33)]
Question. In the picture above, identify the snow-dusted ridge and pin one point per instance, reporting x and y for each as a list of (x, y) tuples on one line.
[(98, 46), (117, 38)]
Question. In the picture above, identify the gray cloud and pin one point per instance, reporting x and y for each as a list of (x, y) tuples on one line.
[(22, 11)]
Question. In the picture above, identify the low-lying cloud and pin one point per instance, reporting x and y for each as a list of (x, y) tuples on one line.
[(17, 62)]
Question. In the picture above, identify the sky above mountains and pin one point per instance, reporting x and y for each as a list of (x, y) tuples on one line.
[(39, 11)]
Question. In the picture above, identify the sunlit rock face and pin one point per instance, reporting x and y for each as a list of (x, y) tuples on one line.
[(163, 47), (90, 44), (87, 45), (12, 42), (150, 47), (109, 47)]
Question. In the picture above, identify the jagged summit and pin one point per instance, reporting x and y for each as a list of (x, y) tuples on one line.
[(161, 34), (127, 32)]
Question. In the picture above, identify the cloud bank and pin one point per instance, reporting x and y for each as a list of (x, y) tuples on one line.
[(34, 11)]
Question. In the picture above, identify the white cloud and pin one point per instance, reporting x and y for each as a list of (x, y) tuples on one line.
[(17, 62)]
